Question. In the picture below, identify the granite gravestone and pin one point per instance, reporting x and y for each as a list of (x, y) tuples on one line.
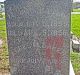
[(38, 34)]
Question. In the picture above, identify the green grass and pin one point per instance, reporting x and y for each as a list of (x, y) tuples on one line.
[(4, 62), (2, 29), (75, 58), (75, 28), (76, 10), (75, 24)]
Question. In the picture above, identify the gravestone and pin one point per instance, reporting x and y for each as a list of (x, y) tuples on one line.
[(38, 33)]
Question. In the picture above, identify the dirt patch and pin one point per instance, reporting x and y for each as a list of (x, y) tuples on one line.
[(4, 72), (78, 73)]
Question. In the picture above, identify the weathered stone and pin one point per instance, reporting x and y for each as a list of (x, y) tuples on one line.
[(76, 45), (38, 36)]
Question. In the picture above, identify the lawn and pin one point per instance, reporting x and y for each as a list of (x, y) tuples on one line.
[(75, 28), (2, 29), (76, 10), (75, 58), (4, 62), (75, 24)]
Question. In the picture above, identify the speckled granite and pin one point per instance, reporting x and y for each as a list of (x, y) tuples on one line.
[(38, 34)]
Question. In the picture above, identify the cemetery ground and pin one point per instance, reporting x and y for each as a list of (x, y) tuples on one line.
[(76, 10), (75, 28), (75, 24), (4, 62), (75, 59)]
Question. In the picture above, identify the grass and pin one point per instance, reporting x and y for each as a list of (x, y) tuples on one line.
[(76, 10), (4, 62), (75, 58), (75, 24), (2, 29), (75, 28)]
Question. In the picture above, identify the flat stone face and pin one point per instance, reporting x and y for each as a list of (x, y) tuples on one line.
[(38, 36)]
